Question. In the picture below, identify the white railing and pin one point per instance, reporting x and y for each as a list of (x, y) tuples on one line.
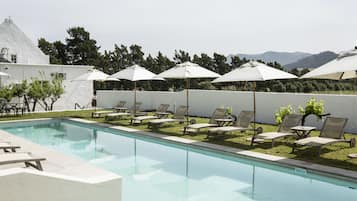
[(203, 102)]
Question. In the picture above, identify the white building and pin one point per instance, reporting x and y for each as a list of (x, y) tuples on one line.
[(23, 60)]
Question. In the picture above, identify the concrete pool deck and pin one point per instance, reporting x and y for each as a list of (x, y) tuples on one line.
[(65, 173)]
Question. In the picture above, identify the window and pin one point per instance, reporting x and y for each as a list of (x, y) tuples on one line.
[(13, 58), (59, 75)]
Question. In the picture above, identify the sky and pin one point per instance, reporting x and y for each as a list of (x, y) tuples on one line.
[(196, 26)]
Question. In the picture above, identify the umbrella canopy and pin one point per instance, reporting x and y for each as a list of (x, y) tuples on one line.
[(254, 71), (92, 75), (343, 67), (135, 73), (188, 70)]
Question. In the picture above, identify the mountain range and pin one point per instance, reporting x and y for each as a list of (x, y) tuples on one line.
[(291, 60), (312, 61)]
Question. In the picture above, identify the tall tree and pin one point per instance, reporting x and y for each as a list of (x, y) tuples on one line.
[(51, 50), (220, 64), (181, 56), (81, 49)]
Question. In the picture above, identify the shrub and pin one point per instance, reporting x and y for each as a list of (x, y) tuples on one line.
[(312, 107), (280, 114)]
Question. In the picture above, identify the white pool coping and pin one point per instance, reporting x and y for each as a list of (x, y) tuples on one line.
[(278, 160)]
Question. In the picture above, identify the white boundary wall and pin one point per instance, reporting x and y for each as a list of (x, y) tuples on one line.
[(74, 91), (203, 102)]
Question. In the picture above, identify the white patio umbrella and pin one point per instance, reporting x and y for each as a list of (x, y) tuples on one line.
[(254, 71), (94, 75), (343, 67), (135, 73), (187, 71)]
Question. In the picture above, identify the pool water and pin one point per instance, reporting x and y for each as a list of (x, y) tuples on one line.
[(159, 171)]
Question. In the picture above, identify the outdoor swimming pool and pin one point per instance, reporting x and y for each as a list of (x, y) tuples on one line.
[(160, 171)]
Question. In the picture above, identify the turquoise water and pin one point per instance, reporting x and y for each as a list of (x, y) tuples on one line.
[(160, 171)]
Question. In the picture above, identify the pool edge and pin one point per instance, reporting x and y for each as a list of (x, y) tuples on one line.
[(338, 173)]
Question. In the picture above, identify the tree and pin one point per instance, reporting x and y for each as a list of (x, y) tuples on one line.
[(50, 50), (35, 93), (56, 90), (220, 64), (181, 56), (136, 55), (81, 49), (45, 93)]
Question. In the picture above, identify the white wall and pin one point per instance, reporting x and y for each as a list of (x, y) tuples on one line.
[(203, 102), (78, 91), (24, 184)]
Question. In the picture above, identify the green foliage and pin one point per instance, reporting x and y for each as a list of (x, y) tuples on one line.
[(282, 112), (312, 107), (6, 93), (229, 110), (79, 48), (45, 93)]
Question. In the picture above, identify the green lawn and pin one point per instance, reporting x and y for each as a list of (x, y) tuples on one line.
[(334, 155)]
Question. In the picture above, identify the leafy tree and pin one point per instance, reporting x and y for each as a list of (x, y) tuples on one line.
[(136, 55), (220, 64), (6, 93), (181, 56), (81, 49), (35, 93), (49, 49)]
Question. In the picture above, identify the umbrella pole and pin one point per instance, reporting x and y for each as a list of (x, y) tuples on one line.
[(187, 88), (134, 98), (95, 96), (254, 111)]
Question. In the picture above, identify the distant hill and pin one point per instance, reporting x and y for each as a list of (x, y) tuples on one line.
[(312, 61), (282, 57)]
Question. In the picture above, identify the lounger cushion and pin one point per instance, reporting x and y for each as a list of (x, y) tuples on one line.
[(317, 141), (227, 129), (118, 114), (17, 158), (5, 145), (201, 125), (273, 135), (141, 118), (102, 112), (160, 121)]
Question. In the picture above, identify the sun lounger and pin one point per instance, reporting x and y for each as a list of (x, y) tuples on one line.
[(119, 115), (179, 116), (331, 132), (241, 124), (98, 114), (120, 107), (7, 147), (11, 158), (218, 113), (289, 121), (158, 114)]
